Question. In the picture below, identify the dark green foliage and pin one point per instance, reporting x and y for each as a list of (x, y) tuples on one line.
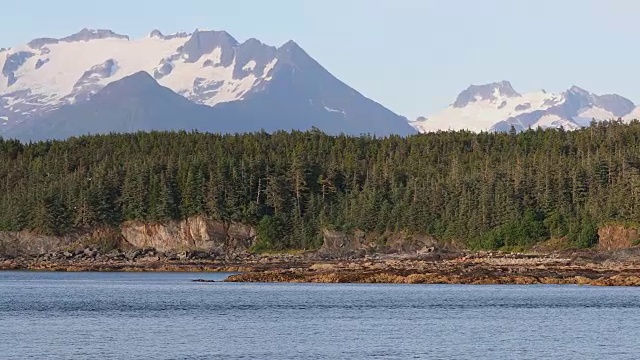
[(517, 233), (492, 190), (584, 234), (270, 231), (51, 216)]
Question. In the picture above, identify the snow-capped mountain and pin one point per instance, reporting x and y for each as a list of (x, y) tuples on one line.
[(498, 107), (275, 85)]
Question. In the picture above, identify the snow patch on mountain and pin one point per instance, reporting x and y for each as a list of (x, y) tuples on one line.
[(67, 62), (209, 85), (268, 69), (207, 67), (585, 117), (249, 66), (634, 115), (555, 121), (334, 110), (485, 108)]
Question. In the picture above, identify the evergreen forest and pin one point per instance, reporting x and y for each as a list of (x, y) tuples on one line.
[(488, 190)]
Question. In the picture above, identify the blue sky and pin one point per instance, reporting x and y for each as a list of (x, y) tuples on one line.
[(413, 56)]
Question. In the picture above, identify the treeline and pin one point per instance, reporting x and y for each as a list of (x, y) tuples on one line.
[(490, 190)]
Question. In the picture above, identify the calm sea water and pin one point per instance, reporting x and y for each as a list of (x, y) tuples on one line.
[(166, 316)]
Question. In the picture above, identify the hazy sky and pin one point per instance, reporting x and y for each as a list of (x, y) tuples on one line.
[(413, 56)]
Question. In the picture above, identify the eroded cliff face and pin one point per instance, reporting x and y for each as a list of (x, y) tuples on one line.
[(192, 233), (30, 243), (341, 243), (25, 242), (616, 237), (196, 233), (200, 233)]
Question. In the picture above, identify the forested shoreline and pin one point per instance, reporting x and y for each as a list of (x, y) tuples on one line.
[(487, 190)]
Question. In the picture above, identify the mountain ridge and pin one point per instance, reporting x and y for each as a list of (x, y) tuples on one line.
[(280, 88), (498, 107)]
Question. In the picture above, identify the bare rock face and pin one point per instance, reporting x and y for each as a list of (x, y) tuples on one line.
[(340, 243), (24, 242), (193, 233), (616, 237)]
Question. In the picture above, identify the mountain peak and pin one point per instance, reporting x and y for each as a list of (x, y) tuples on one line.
[(290, 45), (489, 91), (616, 104), (579, 91), (292, 53), (217, 34), (203, 42), (155, 33), (134, 83), (141, 76), (87, 34), (500, 107), (252, 41)]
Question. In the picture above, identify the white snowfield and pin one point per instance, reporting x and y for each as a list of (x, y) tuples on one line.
[(482, 114), (634, 115), (530, 110), (50, 77)]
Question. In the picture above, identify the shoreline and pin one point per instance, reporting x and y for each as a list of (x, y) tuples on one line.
[(477, 269)]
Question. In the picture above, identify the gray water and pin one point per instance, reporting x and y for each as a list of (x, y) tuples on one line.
[(167, 316)]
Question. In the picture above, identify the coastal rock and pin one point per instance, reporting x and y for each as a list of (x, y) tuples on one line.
[(31, 243), (115, 254), (195, 233), (358, 244), (189, 234), (615, 237), (131, 255), (25, 242)]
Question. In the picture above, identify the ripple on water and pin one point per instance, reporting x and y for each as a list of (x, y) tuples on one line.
[(167, 316)]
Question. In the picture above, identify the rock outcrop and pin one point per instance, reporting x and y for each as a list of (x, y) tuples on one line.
[(339, 242), (192, 233), (616, 237), (359, 243), (195, 233), (26, 242), (479, 269)]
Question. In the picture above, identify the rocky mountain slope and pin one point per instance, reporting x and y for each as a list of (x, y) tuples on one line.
[(498, 107), (61, 85)]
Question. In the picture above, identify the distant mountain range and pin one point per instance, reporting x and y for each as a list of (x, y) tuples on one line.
[(498, 107), (97, 81)]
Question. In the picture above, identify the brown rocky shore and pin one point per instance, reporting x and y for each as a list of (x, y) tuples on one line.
[(478, 269), (621, 268), (202, 245)]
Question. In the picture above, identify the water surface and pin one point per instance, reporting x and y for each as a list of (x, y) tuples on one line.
[(167, 316)]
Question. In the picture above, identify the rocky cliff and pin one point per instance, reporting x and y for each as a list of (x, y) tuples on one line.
[(25, 242), (215, 237), (192, 233), (340, 243), (196, 233), (615, 237)]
